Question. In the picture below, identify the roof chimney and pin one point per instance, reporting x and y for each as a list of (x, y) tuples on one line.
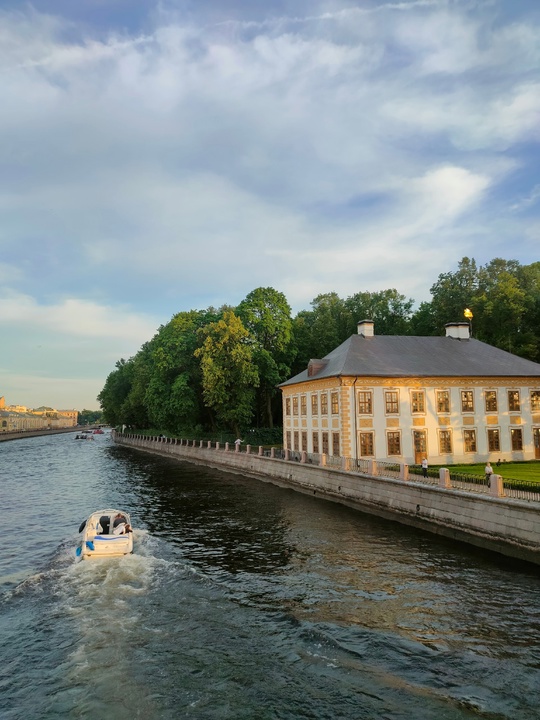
[(315, 366), (365, 328), (458, 330)]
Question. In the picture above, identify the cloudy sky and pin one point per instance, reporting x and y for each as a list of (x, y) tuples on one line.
[(166, 156)]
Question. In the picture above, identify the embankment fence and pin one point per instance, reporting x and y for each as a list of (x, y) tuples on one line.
[(496, 486)]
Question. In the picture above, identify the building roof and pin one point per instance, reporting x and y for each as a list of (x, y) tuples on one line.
[(408, 356)]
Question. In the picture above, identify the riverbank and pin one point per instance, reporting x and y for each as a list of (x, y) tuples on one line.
[(497, 523), (21, 434)]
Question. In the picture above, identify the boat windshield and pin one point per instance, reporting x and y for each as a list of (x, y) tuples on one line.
[(104, 523)]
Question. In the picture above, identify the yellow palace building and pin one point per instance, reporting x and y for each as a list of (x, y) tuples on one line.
[(450, 399), (17, 418)]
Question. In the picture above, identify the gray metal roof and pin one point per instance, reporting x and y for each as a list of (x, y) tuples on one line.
[(406, 356)]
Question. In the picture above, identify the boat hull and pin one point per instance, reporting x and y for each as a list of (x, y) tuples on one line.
[(97, 540), (108, 546)]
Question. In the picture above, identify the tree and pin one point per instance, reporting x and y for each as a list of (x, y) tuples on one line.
[(452, 293), (89, 417), (174, 393), (266, 314), (504, 298), (229, 376), (115, 391), (134, 409), (389, 310)]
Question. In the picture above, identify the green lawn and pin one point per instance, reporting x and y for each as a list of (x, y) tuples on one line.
[(529, 471)]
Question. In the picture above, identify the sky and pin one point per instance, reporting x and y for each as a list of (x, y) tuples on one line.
[(157, 157)]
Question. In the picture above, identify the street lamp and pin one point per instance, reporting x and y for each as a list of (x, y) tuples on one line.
[(468, 314)]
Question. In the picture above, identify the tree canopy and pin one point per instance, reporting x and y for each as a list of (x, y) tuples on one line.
[(219, 368)]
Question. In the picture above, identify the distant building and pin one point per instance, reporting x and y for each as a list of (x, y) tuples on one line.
[(451, 399), (15, 418)]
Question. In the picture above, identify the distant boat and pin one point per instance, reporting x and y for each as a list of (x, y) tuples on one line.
[(84, 436), (98, 431), (106, 533)]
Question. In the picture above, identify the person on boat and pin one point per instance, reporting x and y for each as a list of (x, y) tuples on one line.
[(120, 525)]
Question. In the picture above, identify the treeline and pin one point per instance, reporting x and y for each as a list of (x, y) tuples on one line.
[(89, 417), (217, 369)]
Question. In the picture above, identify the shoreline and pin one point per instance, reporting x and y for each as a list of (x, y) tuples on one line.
[(20, 434), (504, 525)]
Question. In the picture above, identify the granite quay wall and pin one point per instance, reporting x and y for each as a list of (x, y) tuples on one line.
[(487, 519), (19, 434)]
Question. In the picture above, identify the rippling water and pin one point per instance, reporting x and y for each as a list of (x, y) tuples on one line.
[(244, 600)]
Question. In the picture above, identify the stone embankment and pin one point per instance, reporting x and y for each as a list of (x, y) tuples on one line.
[(487, 519), (19, 434)]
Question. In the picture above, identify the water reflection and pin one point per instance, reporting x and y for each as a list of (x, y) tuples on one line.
[(245, 600), (219, 521)]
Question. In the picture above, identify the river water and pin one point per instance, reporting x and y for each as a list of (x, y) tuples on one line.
[(244, 600)]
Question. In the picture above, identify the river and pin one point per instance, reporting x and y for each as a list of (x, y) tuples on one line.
[(244, 601)]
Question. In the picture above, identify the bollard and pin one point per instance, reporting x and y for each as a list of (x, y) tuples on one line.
[(217, 446), (372, 467), (272, 452), (286, 453), (209, 444), (323, 460), (496, 487), (403, 471), (226, 447), (260, 450), (444, 478), (303, 457), (248, 449)]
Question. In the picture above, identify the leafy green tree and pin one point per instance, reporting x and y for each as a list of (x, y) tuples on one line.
[(266, 314), (530, 282), (303, 341), (134, 408), (423, 322), (389, 310), (89, 417), (332, 320), (504, 298), (229, 376), (115, 392), (452, 293), (174, 393)]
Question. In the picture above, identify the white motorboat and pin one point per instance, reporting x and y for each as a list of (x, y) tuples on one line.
[(106, 533)]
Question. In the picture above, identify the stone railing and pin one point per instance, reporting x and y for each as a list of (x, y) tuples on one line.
[(443, 478)]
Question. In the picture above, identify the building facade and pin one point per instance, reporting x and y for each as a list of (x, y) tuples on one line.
[(14, 418), (450, 399)]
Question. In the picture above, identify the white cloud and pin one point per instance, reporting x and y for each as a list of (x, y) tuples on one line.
[(189, 165), (75, 317), (528, 201)]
